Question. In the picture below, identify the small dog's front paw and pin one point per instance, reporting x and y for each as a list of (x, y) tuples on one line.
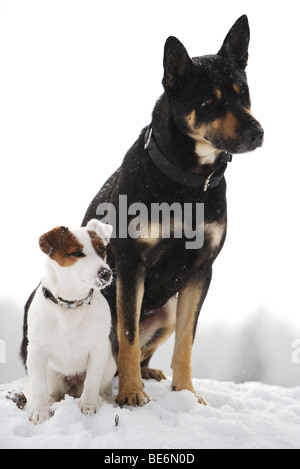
[(88, 408), (38, 416)]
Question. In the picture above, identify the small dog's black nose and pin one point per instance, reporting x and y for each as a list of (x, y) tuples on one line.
[(253, 136), (105, 274)]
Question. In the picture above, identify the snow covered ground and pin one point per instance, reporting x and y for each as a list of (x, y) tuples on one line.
[(258, 413), (248, 415)]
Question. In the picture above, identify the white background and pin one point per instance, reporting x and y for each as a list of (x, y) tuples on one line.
[(79, 80)]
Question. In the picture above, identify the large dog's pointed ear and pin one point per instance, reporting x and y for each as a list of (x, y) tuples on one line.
[(177, 64), (53, 239), (236, 42)]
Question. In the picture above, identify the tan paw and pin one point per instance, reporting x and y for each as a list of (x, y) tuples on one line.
[(152, 373), (201, 399), (190, 388), (134, 398)]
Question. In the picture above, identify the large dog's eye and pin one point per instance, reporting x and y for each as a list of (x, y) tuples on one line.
[(207, 102), (244, 96), (77, 254)]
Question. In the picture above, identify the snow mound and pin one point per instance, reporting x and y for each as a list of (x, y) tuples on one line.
[(248, 415)]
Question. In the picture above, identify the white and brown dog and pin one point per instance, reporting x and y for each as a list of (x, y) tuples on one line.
[(67, 323)]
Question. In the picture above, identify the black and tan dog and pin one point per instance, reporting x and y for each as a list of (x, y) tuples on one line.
[(202, 118)]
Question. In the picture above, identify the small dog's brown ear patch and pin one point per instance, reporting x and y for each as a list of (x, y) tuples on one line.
[(53, 239), (60, 244), (98, 244)]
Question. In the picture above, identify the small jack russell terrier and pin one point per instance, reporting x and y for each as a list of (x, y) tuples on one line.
[(69, 321)]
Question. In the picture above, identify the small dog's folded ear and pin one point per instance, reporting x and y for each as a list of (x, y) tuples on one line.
[(103, 230), (53, 239), (236, 42), (177, 63)]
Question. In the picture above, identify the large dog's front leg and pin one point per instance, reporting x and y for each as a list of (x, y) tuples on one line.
[(130, 292), (190, 300)]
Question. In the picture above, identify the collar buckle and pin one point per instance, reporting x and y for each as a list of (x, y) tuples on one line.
[(148, 137), (207, 182)]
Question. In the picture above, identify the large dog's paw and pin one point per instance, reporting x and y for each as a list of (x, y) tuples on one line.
[(201, 399), (190, 388), (134, 398), (38, 416), (152, 373)]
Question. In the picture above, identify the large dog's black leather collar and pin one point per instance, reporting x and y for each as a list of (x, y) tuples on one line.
[(195, 181)]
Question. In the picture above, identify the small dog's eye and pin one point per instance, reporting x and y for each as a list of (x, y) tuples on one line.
[(102, 251), (77, 254)]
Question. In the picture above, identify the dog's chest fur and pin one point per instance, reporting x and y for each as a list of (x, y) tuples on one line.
[(68, 335)]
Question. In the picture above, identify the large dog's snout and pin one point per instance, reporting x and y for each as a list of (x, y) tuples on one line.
[(253, 137)]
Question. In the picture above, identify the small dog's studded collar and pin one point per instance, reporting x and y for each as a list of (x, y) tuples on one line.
[(186, 178), (66, 303)]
